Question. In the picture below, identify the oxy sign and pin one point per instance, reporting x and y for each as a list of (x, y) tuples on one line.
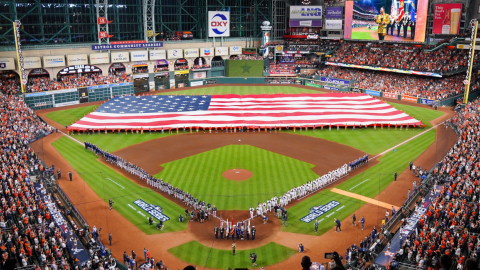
[(219, 23)]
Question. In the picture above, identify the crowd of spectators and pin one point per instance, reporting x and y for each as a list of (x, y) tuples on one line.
[(405, 57), (362, 23), (180, 67), (161, 68), (9, 86), (204, 66), (40, 84), (402, 84)]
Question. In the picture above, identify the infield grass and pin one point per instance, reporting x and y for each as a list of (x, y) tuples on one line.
[(201, 175), (107, 183), (199, 255)]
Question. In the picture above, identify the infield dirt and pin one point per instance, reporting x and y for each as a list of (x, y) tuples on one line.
[(126, 236)]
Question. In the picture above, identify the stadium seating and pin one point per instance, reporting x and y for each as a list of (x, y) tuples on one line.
[(40, 84), (417, 86)]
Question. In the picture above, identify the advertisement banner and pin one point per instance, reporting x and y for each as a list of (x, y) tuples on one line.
[(390, 95), (32, 62), (128, 42), (334, 24), (409, 98), (305, 23), (83, 95), (306, 12), (438, 75), (334, 13), (175, 54), (172, 83), (372, 93), (99, 58), (180, 72), (221, 51), (54, 61), (446, 19), (127, 46), (206, 51), (335, 81), (313, 85), (218, 23), (139, 56), (158, 55), (279, 49), (191, 53), (426, 101), (199, 83), (235, 50), (331, 88), (77, 59), (200, 75), (7, 64), (120, 57)]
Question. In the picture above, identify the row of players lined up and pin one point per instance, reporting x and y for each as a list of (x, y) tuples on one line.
[(233, 129), (188, 199)]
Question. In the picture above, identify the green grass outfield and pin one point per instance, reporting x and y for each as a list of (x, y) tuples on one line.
[(244, 90), (107, 183), (375, 141), (199, 255), (201, 175), (68, 116)]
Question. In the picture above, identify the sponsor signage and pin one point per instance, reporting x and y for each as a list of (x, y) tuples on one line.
[(390, 95), (266, 26), (219, 23), (191, 53), (306, 12), (199, 83), (331, 88), (77, 59), (318, 211), (334, 24), (7, 64), (235, 50), (220, 51), (446, 19), (128, 42), (139, 56), (334, 13), (109, 85), (200, 75), (54, 61), (335, 81), (299, 52), (426, 101), (127, 46), (32, 62), (158, 54), (372, 93), (211, 82), (153, 210), (386, 69), (249, 51), (279, 49), (180, 72), (409, 98), (120, 57), (99, 58), (175, 54), (305, 23), (206, 51), (63, 104)]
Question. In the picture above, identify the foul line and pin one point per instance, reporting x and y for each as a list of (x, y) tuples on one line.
[(116, 183), (73, 139), (404, 142), (359, 184), (363, 198)]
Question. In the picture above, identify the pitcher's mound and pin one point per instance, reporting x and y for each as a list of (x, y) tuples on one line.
[(237, 174)]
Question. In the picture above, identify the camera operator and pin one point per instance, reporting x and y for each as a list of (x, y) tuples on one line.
[(253, 257), (338, 262)]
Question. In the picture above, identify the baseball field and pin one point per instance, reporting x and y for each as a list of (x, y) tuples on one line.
[(206, 166)]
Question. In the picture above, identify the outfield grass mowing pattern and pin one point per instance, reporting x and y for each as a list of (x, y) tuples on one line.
[(66, 117), (201, 175), (381, 175), (199, 255), (243, 90), (107, 183)]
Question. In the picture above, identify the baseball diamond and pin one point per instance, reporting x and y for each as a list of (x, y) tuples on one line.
[(193, 163)]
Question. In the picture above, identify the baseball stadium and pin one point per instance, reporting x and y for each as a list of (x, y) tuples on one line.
[(239, 134)]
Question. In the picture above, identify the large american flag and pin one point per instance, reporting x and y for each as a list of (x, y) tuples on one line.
[(278, 110)]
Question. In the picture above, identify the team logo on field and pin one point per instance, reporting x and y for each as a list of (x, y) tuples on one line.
[(318, 211), (153, 210)]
